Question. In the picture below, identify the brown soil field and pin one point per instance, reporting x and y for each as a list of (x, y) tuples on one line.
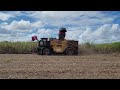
[(32, 66)]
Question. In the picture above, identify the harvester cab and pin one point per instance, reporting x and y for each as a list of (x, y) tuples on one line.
[(44, 42)]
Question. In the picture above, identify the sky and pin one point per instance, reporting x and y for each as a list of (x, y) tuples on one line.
[(84, 26)]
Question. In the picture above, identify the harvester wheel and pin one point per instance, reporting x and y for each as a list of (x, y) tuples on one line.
[(39, 52), (69, 51), (46, 51)]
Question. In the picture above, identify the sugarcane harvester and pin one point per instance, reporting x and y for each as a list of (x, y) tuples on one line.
[(48, 46)]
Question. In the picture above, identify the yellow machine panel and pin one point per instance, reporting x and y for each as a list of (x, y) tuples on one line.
[(59, 46)]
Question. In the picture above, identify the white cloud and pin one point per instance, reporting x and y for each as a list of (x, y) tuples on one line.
[(21, 25), (5, 16), (47, 33), (105, 34), (62, 18), (38, 24), (17, 25)]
